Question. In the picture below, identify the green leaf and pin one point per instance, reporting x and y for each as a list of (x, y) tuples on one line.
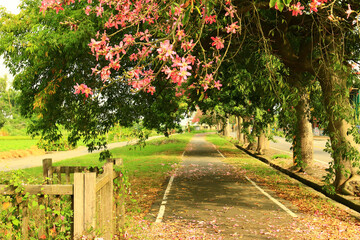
[(196, 7), (280, 5), (16, 222), (287, 2), (209, 6), (272, 3), (201, 97), (186, 16), (34, 203)]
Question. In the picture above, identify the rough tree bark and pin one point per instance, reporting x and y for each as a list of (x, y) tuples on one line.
[(333, 84), (239, 134), (227, 128), (261, 146), (252, 144), (303, 140)]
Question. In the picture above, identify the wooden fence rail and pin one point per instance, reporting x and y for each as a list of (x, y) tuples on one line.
[(97, 204)]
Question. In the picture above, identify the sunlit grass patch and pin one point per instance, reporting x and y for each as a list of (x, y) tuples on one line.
[(276, 156), (16, 143)]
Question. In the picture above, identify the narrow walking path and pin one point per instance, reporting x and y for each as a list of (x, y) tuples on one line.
[(210, 194), (36, 161)]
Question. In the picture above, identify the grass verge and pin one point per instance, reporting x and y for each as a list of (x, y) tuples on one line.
[(276, 156), (12, 143), (320, 217), (146, 170)]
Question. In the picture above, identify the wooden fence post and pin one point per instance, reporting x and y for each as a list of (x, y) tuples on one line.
[(78, 205), (119, 218), (107, 198), (47, 163), (90, 201), (25, 220), (84, 203)]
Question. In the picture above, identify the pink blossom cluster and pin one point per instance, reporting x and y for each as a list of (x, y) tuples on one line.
[(83, 89), (140, 47), (297, 9)]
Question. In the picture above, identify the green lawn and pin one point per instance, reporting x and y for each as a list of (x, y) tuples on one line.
[(156, 158), (16, 143)]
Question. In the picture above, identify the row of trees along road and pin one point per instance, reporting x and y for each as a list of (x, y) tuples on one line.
[(88, 65)]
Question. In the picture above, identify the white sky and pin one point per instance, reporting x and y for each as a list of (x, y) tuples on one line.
[(11, 6)]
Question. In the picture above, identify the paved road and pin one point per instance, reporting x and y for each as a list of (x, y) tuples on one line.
[(319, 145), (36, 161), (209, 194)]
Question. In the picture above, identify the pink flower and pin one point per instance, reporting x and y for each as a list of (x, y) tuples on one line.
[(230, 11), (205, 86), (88, 92), (145, 35), (78, 88), (210, 19), (313, 5), (184, 74), (296, 9), (88, 10), (151, 89), (190, 59), (184, 64), (168, 71), (348, 11), (99, 10), (208, 78), (83, 89), (218, 42), (180, 34), (177, 11), (133, 57), (217, 84), (129, 39), (105, 73), (187, 45), (208, 65), (232, 28), (165, 50)]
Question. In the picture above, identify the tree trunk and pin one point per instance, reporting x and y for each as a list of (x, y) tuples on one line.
[(303, 141), (248, 132), (344, 149), (227, 128), (239, 134), (261, 143), (252, 142)]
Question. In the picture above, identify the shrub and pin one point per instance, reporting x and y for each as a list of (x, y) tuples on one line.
[(59, 145)]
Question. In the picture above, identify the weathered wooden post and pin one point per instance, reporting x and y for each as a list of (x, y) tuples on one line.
[(107, 198), (120, 206), (84, 203), (78, 204), (47, 164)]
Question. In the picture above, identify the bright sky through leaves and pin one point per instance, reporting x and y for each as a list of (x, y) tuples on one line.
[(11, 6)]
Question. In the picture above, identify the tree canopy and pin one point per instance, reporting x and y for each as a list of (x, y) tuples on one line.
[(88, 65)]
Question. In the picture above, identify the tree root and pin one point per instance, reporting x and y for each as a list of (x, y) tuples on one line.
[(351, 186)]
